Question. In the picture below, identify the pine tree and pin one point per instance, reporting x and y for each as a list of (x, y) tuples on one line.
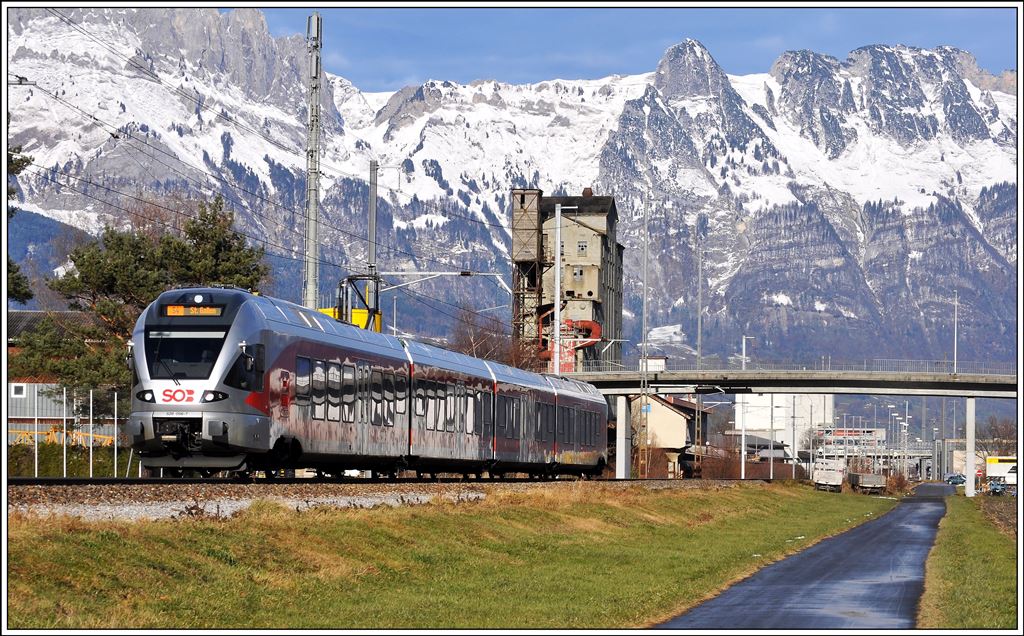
[(18, 288), (116, 277)]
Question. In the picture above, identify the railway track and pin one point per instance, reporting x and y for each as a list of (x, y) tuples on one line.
[(169, 481)]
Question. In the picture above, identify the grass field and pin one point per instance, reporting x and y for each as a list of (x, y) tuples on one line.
[(21, 461), (971, 573), (588, 556)]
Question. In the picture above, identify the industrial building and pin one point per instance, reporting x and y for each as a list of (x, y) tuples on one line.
[(591, 281)]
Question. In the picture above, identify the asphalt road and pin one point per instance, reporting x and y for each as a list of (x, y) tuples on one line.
[(870, 577)]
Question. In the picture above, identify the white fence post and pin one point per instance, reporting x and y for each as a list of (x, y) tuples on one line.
[(115, 434), (64, 436), (90, 433), (35, 430)]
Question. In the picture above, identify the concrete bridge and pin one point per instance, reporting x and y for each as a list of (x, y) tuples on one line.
[(868, 377), (872, 377)]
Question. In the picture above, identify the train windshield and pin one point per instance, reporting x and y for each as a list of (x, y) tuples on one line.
[(182, 355)]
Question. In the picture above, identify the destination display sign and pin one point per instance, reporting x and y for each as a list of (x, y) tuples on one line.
[(192, 310)]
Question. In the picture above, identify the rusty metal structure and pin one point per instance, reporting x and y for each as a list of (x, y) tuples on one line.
[(591, 283)]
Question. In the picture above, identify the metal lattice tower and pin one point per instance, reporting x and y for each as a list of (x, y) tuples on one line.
[(528, 263), (311, 271)]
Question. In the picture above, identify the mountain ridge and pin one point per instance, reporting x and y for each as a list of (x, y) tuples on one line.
[(819, 178)]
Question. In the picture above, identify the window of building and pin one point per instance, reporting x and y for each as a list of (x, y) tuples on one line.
[(577, 273), (581, 248), (18, 390)]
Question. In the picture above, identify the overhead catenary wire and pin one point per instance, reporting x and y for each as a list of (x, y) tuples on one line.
[(43, 171), (127, 135), (201, 104)]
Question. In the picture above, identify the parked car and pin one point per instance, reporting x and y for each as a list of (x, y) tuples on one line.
[(956, 480)]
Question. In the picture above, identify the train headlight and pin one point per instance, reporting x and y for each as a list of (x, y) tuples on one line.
[(214, 396), (146, 396)]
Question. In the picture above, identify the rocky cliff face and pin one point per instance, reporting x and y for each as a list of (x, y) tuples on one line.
[(841, 202)]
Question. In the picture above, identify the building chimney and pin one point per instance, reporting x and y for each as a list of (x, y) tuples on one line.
[(587, 192)]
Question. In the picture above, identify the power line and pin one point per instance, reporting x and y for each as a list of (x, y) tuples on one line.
[(202, 106), (43, 171), (124, 133)]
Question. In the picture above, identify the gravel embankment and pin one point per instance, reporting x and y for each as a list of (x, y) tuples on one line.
[(134, 502)]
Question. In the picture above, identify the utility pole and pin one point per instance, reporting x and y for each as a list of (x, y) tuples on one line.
[(557, 327), (643, 376), (793, 421), (700, 323), (373, 283), (743, 422), (311, 273), (956, 304), (771, 439)]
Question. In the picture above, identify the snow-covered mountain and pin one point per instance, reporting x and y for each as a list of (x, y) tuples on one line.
[(845, 201)]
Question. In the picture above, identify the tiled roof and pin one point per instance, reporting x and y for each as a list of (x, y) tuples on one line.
[(20, 321)]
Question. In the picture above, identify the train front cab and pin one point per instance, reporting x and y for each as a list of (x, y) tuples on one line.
[(198, 373)]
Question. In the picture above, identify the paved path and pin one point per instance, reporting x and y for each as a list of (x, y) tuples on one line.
[(870, 577)]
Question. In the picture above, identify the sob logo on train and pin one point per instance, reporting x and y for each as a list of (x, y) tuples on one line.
[(178, 395)]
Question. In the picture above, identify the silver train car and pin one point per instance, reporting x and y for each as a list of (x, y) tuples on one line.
[(224, 379)]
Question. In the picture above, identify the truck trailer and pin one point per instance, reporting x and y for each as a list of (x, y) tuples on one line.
[(829, 474), (867, 482)]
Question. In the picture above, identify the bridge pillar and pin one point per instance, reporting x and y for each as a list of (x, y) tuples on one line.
[(969, 468), (623, 437)]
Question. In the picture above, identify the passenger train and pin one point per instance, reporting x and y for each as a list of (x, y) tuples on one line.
[(227, 380)]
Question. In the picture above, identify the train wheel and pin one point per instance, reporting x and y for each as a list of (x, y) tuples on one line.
[(207, 473), (174, 472)]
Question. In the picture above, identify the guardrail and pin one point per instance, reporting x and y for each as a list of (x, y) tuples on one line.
[(877, 365)]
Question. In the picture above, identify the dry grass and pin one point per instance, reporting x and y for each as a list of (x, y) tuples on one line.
[(574, 556)]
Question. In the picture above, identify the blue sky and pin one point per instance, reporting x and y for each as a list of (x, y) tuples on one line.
[(383, 49)]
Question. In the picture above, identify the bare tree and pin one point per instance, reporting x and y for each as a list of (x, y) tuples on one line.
[(484, 337), (998, 436)]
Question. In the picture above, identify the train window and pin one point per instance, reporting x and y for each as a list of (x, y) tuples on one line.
[(376, 387), (400, 393), (420, 401), (183, 355), (487, 410), (363, 407), (438, 406), (502, 414), (319, 389), (473, 412), (431, 404), (302, 371), (333, 392), (348, 393), (461, 408), (389, 398), (513, 420), (449, 408)]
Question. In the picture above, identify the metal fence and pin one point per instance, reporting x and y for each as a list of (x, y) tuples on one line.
[(876, 365), (47, 414)]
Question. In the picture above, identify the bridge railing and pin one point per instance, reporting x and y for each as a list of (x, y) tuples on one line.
[(876, 365)]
